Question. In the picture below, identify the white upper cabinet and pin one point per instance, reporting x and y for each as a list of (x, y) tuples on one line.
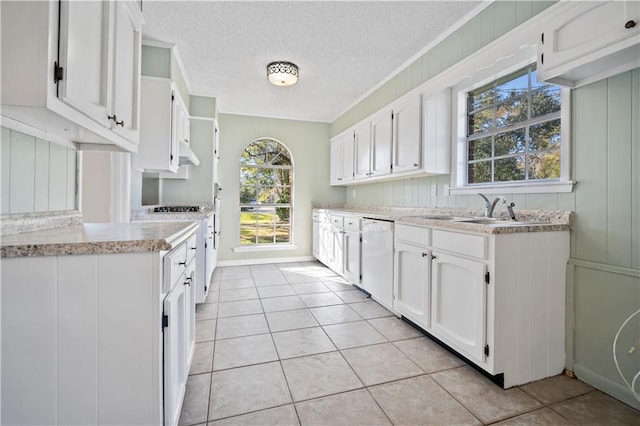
[(362, 147), (381, 143), (407, 140), (71, 69), (84, 57), (436, 110), (125, 105), (588, 41), (342, 160), (159, 119), (409, 137)]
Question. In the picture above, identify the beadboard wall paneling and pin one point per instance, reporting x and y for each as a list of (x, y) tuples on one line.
[(37, 175)]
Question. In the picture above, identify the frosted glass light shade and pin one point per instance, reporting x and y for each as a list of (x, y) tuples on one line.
[(282, 73)]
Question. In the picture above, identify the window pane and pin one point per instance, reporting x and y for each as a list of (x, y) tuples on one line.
[(282, 215), (480, 98), (511, 111), (283, 234), (545, 101), (247, 216), (510, 142), (480, 148), (516, 85), (481, 121), (265, 235), (545, 165), (248, 194), (479, 172), (509, 169), (247, 234), (545, 135)]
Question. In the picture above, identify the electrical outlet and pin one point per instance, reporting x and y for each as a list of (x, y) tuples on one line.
[(353, 194), (434, 189)]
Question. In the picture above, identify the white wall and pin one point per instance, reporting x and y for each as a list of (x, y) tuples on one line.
[(309, 146)]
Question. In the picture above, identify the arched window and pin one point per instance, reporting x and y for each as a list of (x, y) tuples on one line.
[(266, 182)]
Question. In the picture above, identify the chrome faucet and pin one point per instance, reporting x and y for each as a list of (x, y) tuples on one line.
[(489, 206)]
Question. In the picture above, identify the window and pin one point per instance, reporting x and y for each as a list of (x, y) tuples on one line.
[(266, 182), (513, 131)]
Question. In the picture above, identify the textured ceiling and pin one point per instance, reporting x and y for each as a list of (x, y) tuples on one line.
[(344, 49)]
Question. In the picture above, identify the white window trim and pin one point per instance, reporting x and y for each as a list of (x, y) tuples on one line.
[(264, 247), (509, 53)]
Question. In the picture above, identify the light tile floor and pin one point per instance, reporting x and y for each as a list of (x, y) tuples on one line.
[(292, 343)]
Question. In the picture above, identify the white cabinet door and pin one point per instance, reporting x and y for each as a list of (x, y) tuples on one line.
[(336, 161), (336, 262), (342, 158), (347, 142), (85, 57), (126, 77), (436, 110), (459, 303), (381, 143), (362, 148), (589, 38), (175, 356), (324, 243), (412, 279), (407, 140), (158, 150), (210, 260), (352, 256)]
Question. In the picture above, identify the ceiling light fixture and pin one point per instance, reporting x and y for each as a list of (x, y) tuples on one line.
[(282, 73)]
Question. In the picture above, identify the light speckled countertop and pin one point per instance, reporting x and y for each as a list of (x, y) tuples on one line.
[(98, 238), (547, 220)]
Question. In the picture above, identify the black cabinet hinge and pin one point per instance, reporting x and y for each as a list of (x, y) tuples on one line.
[(392, 115), (542, 59), (165, 321), (58, 73), (361, 238), (542, 38), (173, 97), (360, 277), (487, 277), (171, 157), (486, 350)]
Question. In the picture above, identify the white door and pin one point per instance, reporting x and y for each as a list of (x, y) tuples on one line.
[(407, 135), (381, 143), (85, 57), (412, 278), (362, 148), (459, 303), (352, 256), (126, 76), (175, 356)]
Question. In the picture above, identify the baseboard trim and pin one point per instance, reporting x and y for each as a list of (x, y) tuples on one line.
[(608, 386), (262, 261)]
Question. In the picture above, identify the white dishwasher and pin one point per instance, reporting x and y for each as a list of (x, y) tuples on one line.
[(377, 260)]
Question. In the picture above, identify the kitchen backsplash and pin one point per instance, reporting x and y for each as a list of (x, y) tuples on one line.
[(37, 175)]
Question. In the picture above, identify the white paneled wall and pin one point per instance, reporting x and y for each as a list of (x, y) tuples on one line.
[(36, 175)]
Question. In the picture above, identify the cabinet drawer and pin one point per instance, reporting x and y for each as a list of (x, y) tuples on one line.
[(336, 220), (191, 248), (352, 224), (174, 265), (470, 245), (413, 234)]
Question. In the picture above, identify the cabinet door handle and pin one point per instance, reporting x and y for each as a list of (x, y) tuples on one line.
[(415, 164), (193, 248), (183, 263), (433, 257), (115, 119), (188, 282), (424, 254), (630, 24)]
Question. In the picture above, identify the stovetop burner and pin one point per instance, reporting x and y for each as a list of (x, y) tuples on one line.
[(177, 209)]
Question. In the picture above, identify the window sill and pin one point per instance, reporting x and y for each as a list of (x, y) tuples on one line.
[(525, 188), (264, 247)]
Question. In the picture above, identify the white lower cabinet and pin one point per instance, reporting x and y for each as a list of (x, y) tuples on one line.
[(496, 299), (459, 303), (95, 339), (337, 243), (412, 290)]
